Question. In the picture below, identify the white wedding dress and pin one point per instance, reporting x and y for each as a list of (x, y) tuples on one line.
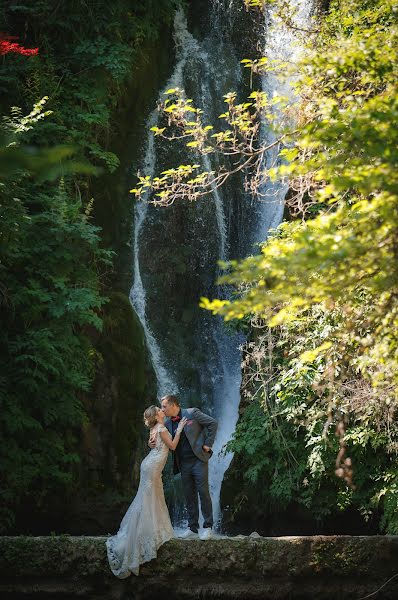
[(146, 524)]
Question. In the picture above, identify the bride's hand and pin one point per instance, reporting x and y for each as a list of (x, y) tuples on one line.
[(182, 424)]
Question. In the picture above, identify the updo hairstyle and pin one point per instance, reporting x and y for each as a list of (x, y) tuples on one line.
[(150, 416)]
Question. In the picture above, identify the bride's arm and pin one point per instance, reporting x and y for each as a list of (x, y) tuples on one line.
[(152, 439), (168, 440)]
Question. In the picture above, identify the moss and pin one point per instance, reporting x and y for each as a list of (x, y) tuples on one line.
[(341, 558), (124, 353), (244, 558), (113, 204)]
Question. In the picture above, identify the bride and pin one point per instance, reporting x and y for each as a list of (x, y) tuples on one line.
[(146, 524)]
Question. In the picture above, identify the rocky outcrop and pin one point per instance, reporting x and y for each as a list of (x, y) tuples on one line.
[(320, 567)]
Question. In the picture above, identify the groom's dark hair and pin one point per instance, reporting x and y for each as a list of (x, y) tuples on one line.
[(171, 399)]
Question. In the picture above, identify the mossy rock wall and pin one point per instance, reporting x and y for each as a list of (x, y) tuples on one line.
[(294, 568), (113, 440)]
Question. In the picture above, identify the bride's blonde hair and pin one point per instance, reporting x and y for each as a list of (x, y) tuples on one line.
[(150, 416)]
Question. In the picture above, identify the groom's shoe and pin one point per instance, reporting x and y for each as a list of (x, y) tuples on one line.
[(206, 534), (188, 534)]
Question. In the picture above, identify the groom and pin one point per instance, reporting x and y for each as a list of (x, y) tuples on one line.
[(191, 459)]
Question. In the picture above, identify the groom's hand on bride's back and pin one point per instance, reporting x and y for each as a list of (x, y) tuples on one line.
[(151, 442)]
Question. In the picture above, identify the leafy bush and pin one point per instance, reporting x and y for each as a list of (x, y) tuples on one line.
[(53, 264)]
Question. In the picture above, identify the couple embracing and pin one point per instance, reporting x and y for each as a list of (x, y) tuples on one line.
[(190, 434)]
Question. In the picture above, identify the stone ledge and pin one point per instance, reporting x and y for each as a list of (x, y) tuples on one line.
[(319, 567)]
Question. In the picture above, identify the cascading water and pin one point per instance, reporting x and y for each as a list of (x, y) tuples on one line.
[(281, 43), (186, 46), (137, 293), (176, 249)]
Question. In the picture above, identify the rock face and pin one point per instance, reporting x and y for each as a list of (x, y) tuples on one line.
[(294, 568)]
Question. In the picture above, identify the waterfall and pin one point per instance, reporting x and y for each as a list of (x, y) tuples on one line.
[(137, 293), (186, 46), (176, 249), (280, 44)]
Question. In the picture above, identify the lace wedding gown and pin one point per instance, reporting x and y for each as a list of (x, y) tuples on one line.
[(146, 524)]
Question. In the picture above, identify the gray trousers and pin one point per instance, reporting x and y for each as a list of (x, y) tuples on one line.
[(195, 482)]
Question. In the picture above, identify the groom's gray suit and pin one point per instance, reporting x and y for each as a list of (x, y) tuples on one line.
[(192, 461)]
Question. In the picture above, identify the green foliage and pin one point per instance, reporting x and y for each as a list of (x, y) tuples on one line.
[(49, 293), (238, 136), (348, 151), (52, 263), (86, 53), (46, 164), (285, 444), (330, 282)]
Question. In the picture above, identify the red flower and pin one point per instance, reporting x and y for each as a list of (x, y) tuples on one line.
[(7, 46)]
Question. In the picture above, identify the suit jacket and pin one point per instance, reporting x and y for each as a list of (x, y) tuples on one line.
[(200, 431)]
